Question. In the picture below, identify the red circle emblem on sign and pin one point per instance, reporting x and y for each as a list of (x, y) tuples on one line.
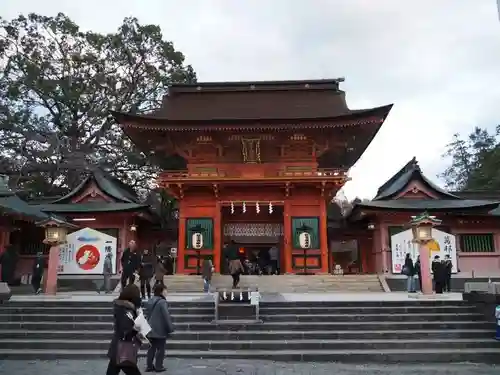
[(87, 257)]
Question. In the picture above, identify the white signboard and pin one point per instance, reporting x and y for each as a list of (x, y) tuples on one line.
[(84, 253), (401, 244)]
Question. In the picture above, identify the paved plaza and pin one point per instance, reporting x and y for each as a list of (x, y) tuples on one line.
[(241, 367)]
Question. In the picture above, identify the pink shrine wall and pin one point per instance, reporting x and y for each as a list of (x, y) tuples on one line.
[(479, 263)]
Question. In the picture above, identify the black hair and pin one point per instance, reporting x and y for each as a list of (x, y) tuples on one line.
[(130, 293), (158, 290)]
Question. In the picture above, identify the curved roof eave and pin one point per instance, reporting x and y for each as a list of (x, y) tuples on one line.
[(124, 118)]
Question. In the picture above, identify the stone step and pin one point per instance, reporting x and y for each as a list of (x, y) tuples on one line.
[(283, 318), (280, 283), (206, 345), (207, 302), (105, 334), (400, 355), (268, 326), (265, 310)]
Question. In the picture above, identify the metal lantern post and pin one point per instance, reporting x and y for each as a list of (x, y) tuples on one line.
[(56, 231), (421, 226)]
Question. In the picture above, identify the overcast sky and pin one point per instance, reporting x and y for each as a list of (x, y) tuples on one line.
[(438, 61)]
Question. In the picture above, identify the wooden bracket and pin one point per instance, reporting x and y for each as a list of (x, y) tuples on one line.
[(181, 191)]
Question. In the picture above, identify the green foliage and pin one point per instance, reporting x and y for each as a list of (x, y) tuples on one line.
[(57, 86), (475, 161)]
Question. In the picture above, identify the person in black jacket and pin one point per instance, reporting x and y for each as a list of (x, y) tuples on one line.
[(130, 263), (124, 313), (409, 271), (438, 270), (38, 268), (146, 272), (418, 270), (448, 268)]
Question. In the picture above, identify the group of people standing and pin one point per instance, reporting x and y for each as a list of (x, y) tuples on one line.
[(441, 270), (145, 265)]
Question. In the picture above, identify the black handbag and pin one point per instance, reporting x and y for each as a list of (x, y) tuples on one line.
[(127, 353)]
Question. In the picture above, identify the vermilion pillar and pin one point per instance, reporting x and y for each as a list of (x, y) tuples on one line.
[(217, 237), (181, 244), (425, 268), (323, 236), (287, 237)]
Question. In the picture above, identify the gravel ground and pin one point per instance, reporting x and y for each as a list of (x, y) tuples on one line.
[(241, 367)]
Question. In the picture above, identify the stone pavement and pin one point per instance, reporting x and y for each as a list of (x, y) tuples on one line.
[(241, 367)]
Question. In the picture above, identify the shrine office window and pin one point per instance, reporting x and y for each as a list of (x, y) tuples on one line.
[(477, 243)]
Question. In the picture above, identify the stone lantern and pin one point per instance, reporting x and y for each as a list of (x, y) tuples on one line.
[(56, 230), (421, 226)]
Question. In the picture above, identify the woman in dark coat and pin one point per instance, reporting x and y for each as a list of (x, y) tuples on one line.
[(124, 313), (418, 270), (409, 271), (146, 272)]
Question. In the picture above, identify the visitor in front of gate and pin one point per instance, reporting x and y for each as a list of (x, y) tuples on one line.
[(38, 269), (124, 346), (439, 273), (130, 263), (107, 271), (409, 272), (274, 255), (206, 274), (448, 268), (160, 271), (418, 270), (146, 272), (161, 328), (235, 267)]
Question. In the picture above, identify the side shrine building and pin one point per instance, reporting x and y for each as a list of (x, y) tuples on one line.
[(261, 162)]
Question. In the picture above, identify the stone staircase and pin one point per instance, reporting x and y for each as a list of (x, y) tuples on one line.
[(281, 283), (355, 332)]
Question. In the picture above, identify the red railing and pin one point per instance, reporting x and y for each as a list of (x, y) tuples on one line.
[(202, 175)]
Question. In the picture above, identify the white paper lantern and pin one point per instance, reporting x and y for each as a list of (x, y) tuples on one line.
[(197, 240), (305, 240)]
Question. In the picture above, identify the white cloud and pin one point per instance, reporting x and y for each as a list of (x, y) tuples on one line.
[(438, 61)]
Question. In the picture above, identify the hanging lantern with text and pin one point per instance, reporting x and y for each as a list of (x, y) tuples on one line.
[(197, 237), (304, 237)]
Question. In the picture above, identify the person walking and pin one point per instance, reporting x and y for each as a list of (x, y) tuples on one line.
[(418, 270), (207, 272), (124, 345), (439, 274), (160, 271), (130, 263), (161, 328), (146, 272), (274, 256), (107, 271), (448, 269), (38, 270), (235, 269), (409, 271)]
